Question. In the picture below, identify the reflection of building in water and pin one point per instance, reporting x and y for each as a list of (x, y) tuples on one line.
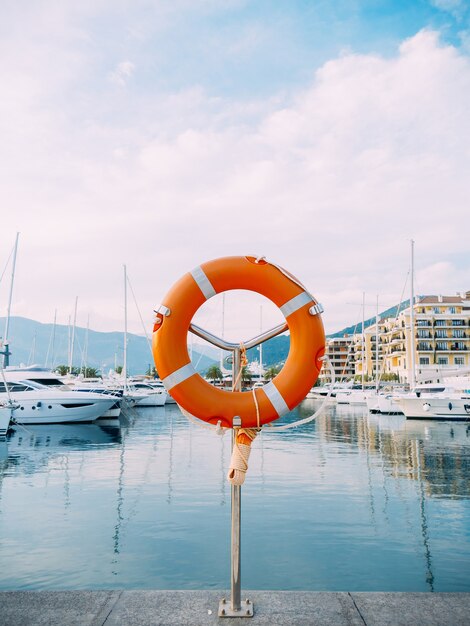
[(433, 456), (442, 458)]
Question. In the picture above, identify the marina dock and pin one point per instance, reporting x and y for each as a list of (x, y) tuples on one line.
[(198, 608)]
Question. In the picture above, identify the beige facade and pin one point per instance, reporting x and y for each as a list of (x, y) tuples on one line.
[(441, 340), (341, 354)]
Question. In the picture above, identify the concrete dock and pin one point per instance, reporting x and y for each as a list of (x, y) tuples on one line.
[(198, 608)]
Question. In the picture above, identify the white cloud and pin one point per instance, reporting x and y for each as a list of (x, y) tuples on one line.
[(451, 6), (331, 181), (122, 73)]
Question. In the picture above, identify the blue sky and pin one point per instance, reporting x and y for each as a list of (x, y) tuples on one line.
[(246, 48), (324, 135)]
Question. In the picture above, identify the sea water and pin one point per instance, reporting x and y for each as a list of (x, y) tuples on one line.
[(351, 501)]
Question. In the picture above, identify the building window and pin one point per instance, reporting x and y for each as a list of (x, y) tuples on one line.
[(458, 333), (441, 345), (452, 310), (422, 323), (460, 345), (441, 333), (424, 360), (442, 360), (424, 345), (459, 360), (436, 310), (458, 323), (440, 323)]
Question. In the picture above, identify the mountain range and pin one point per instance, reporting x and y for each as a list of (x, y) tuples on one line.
[(38, 343), (35, 342)]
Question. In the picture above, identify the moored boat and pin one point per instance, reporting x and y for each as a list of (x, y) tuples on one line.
[(444, 404), (43, 399)]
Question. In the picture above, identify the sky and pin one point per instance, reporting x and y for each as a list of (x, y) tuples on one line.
[(162, 134)]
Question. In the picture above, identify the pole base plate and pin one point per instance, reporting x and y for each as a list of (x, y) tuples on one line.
[(245, 610)]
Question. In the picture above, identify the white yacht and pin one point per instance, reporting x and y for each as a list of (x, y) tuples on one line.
[(43, 399), (352, 395), (96, 385), (157, 384), (154, 385), (388, 403), (436, 402), (146, 395)]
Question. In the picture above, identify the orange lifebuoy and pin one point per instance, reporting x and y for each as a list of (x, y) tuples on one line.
[(198, 397)]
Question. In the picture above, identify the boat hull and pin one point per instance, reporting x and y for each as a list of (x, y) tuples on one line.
[(445, 408), (154, 399), (42, 408)]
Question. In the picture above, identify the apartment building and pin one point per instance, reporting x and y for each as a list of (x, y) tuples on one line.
[(440, 339), (340, 351)]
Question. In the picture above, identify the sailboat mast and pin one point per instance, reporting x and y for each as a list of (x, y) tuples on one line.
[(124, 368), (363, 337), (260, 345), (53, 340), (13, 268), (86, 345), (223, 334), (72, 343), (377, 376), (412, 321)]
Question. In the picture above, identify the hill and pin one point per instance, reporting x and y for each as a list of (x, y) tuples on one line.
[(391, 312), (275, 350), (31, 342)]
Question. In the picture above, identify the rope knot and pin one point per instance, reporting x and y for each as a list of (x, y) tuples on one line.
[(240, 455)]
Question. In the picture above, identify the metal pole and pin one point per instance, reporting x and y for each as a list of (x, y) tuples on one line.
[(236, 499), (237, 608)]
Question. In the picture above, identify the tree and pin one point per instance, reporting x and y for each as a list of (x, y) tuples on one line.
[(62, 370), (246, 375), (214, 373), (152, 371), (118, 369), (90, 372), (271, 372)]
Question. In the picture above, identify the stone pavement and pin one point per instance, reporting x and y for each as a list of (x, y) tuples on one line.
[(199, 608)]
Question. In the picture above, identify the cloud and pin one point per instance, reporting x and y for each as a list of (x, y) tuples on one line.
[(451, 6), (122, 73), (330, 181)]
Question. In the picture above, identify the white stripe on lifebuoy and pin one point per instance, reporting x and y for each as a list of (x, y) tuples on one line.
[(178, 376), (276, 399), (293, 305), (203, 282)]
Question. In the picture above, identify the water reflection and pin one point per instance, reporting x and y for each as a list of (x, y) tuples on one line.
[(353, 501), (74, 435)]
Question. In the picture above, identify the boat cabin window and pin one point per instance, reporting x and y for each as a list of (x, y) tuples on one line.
[(48, 382), (427, 390), (14, 387)]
